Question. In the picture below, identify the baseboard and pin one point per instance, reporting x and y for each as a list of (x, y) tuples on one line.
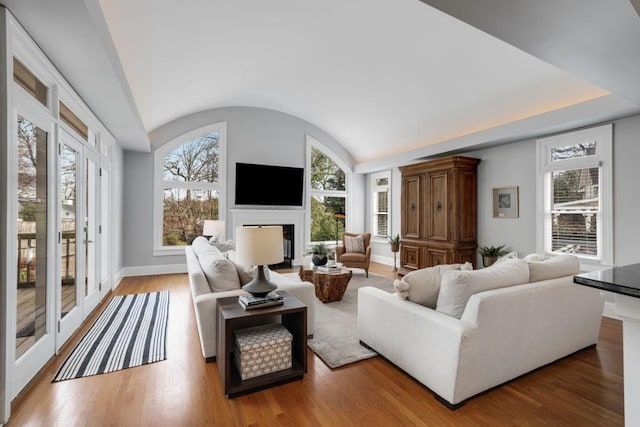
[(117, 279), (382, 260), (150, 270)]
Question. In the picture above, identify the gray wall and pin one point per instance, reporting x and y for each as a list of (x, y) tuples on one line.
[(254, 135), (515, 164), (117, 166)]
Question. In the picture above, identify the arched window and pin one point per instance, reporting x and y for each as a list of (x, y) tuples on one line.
[(329, 181), (188, 187)]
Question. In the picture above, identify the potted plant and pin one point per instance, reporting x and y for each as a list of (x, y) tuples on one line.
[(394, 241), (491, 253), (319, 252)]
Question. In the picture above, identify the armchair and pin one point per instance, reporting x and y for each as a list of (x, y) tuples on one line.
[(355, 259)]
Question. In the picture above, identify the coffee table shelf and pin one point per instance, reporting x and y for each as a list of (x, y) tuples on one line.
[(231, 317)]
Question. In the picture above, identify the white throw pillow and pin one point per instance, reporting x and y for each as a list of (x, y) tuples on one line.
[(220, 272), (422, 286), (507, 257), (198, 244), (223, 246), (535, 257), (553, 268), (458, 286), (354, 244)]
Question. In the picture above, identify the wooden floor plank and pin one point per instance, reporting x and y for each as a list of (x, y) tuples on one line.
[(584, 389)]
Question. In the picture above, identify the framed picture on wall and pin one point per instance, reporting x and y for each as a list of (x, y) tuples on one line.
[(505, 202)]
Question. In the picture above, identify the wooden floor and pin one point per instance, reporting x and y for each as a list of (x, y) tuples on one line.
[(585, 389)]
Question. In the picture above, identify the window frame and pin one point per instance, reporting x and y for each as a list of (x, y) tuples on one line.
[(375, 189), (159, 184), (603, 160), (311, 192)]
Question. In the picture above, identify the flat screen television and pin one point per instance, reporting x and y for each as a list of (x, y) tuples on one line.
[(269, 185)]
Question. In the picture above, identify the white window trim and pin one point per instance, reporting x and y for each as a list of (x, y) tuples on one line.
[(375, 189), (314, 143), (603, 135), (159, 183)]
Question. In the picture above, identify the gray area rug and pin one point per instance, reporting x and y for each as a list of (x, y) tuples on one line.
[(335, 339)]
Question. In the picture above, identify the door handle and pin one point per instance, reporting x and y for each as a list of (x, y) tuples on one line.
[(89, 241)]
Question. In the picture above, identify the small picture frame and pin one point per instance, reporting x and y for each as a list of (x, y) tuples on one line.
[(505, 202)]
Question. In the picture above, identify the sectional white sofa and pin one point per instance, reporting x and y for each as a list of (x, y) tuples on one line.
[(509, 324), (211, 276)]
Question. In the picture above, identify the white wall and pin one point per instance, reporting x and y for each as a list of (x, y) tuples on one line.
[(254, 135), (117, 217)]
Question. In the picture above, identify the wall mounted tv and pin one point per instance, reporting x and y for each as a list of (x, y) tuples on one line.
[(269, 185)]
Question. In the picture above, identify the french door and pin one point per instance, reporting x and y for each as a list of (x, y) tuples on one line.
[(70, 235), (32, 295)]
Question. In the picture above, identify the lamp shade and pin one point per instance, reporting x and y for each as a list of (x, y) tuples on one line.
[(212, 227), (260, 245)]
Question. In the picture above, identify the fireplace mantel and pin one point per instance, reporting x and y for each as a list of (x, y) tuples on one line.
[(240, 217)]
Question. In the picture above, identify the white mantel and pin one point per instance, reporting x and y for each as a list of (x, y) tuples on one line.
[(240, 217)]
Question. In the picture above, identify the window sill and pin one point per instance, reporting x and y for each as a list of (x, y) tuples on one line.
[(172, 251)]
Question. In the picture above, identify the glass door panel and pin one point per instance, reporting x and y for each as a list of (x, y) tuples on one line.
[(69, 289), (31, 301)]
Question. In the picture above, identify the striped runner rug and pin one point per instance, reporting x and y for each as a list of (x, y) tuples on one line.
[(131, 331)]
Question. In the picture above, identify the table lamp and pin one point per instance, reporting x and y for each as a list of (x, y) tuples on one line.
[(260, 246), (213, 227)]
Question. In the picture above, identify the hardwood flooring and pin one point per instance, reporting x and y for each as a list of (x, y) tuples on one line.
[(585, 389)]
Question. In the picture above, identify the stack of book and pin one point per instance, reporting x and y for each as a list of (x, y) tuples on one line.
[(249, 302), (329, 269)]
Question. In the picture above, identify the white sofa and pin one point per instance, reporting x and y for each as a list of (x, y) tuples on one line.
[(204, 298), (501, 334)]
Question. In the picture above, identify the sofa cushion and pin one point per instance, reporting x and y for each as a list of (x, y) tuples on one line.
[(457, 286), (507, 257), (422, 286), (354, 244), (553, 268), (198, 244), (221, 273)]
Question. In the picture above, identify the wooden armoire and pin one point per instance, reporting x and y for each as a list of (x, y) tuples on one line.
[(438, 213)]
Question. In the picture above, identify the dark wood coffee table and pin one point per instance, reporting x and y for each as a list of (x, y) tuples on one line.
[(231, 316), (329, 287)]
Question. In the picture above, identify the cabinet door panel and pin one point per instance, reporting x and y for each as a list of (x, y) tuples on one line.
[(411, 207), (467, 206), (410, 257), (437, 222), (436, 257)]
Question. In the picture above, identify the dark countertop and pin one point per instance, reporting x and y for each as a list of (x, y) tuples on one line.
[(620, 280)]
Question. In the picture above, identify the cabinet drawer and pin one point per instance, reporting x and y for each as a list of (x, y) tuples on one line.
[(436, 257), (410, 257)]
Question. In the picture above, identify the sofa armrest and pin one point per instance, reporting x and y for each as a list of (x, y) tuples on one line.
[(421, 341)]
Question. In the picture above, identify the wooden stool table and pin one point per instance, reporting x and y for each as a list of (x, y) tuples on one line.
[(330, 286)]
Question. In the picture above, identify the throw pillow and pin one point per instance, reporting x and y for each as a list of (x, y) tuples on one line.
[(503, 258), (458, 286), (198, 244), (220, 272), (535, 257), (422, 286), (553, 268), (354, 244), (223, 246)]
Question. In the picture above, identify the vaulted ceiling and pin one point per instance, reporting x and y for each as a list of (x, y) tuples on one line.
[(391, 80)]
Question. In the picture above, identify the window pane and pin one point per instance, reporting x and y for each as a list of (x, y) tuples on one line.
[(68, 191), (325, 173), (382, 181), (382, 201), (324, 225), (382, 221), (31, 306), (575, 189), (194, 161), (29, 82), (73, 121), (575, 211), (575, 233), (573, 151), (184, 212)]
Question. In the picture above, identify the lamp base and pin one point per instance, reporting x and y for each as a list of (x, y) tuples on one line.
[(259, 286)]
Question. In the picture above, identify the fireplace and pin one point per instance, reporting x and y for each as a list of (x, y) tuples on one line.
[(295, 218), (288, 248)]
